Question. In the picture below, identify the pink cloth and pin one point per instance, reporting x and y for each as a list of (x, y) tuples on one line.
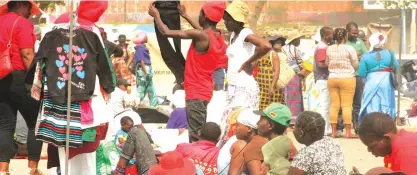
[(203, 153), (87, 115)]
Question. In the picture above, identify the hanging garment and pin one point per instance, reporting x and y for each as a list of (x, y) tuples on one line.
[(172, 57), (80, 164), (99, 108), (89, 135), (53, 123), (87, 115), (89, 60)]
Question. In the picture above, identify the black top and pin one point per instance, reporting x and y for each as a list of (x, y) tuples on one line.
[(89, 60)]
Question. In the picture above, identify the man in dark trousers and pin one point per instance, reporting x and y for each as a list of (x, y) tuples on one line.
[(206, 47), (172, 57)]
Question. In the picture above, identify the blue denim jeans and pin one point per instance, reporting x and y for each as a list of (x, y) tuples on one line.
[(218, 77)]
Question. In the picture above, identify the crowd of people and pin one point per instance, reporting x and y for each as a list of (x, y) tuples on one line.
[(353, 88)]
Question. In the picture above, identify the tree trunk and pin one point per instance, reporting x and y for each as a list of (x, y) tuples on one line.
[(253, 21)]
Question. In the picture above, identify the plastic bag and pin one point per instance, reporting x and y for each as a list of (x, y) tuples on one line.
[(107, 157)]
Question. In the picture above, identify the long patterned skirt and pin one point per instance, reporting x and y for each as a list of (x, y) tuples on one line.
[(294, 97), (238, 97)]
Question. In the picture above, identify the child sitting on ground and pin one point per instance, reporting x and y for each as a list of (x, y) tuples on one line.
[(398, 147)]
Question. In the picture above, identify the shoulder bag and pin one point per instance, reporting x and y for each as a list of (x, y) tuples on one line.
[(393, 72), (6, 66), (286, 72)]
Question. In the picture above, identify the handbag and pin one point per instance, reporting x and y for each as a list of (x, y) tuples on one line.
[(6, 66), (393, 72), (286, 72)]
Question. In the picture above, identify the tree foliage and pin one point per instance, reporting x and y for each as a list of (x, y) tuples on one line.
[(400, 4)]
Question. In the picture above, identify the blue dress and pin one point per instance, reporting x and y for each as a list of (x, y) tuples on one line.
[(378, 94)]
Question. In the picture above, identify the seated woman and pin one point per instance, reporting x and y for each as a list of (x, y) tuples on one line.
[(376, 67), (246, 155), (322, 155)]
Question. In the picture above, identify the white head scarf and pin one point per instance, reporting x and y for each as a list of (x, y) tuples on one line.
[(377, 40), (248, 118)]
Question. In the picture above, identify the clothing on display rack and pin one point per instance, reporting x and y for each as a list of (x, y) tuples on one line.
[(53, 122), (89, 60)]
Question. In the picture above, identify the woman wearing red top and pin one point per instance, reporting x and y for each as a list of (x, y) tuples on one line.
[(15, 27)]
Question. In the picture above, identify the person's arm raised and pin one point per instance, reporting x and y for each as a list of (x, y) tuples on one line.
[(193, 34), (183, 13)]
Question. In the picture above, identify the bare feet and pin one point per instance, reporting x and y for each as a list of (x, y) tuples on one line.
[(35, 171), (351, 136)]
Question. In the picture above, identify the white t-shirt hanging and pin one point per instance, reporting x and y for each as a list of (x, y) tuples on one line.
[(238, 53)]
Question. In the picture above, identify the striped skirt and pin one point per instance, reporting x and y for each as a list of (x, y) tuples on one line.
[(53, 123)]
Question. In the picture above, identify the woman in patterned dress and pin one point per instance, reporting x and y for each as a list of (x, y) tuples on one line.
[(268, 74), (244, 49), (293, 92), (121, 69), (322, 155)]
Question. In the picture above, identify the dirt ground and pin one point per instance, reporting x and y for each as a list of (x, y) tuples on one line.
[(355, 155)]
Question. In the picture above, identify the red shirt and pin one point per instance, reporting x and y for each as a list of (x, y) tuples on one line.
[(403, 157), (199, 68), (222, 61), (203, 153), (23, 37)]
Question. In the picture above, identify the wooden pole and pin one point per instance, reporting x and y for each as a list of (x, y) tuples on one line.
[(69, 85)]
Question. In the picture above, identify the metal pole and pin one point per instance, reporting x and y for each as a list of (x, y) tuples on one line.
[(413, 31), (403, 32), (402, 43), (69, 85)]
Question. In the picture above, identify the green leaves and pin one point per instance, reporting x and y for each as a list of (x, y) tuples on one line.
[(400, 4)]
